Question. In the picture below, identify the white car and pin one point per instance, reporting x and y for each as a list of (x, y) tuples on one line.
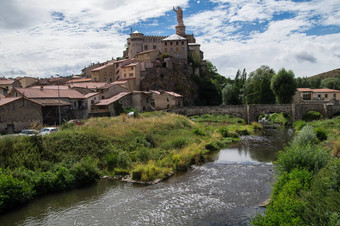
[(48, 130)]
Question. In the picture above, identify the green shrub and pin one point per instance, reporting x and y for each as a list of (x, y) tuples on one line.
[(286, 207), (321, 134), (312, 115), (305, 136), (85, 172), (309, 157), (223, 131), (256, 126), (336, 149), (13, 191), (322, 203), (298, 125), (212, 146), (233, 134), (198, 132)]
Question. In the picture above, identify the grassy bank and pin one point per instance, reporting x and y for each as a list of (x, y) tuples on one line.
[(149, 147), (307, 187)]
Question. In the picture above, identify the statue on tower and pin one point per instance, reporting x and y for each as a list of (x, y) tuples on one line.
[(179, 12)]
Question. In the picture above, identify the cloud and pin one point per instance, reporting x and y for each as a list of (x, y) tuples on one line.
[(12, 73), (305, 57)]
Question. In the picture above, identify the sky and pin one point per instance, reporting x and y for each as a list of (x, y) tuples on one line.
[(42, 38)]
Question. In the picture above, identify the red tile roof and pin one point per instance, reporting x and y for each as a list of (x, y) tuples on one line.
[(51, 87), (102, 67), (4, 101), (113, 99), (6, 81), (131, 65), (318, 90), (88, 95), (52, 102), (49, 93), (79, 80), (89, 85)]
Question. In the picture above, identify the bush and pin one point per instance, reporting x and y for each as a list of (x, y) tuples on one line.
[(198, 132), (309, 157), (223, 131), (306, 136), (336, 149), (85, 172), (298, 125), (212, 146), (321, 134), (286, 206), (312, 115), (322, 202), (13, 191), (256, 126)]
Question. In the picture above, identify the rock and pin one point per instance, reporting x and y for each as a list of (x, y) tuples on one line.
[(265, 203)]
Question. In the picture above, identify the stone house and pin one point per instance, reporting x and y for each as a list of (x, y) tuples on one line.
[(18, 113), (307, 95), (107, 107), (176, 46), (162, 100), (148, 56), (27, 81), (72, 103), (131, 73), (6, 85), (105, 73), (92, 99)]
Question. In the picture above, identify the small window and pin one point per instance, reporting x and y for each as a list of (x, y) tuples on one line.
[(334, 95), (171, 50), (124, 75), (171, 43), (326, 95), (319, 96), (166, 49), (182, 42), (166, 43), (131, 74), (167, 99)]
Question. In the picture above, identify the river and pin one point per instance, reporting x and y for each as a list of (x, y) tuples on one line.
[(225, 191)]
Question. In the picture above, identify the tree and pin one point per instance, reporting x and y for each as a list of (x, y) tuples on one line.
[(302, 83), (283, 86), (314, 83), (257, 86), (227, 93), (331, 83)]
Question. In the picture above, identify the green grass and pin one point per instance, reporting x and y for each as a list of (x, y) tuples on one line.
[(148, 147), (307, 189)]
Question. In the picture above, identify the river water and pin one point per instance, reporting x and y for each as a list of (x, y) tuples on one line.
[(225, 191)]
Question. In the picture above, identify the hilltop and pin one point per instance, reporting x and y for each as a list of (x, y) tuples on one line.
[(329, 74)]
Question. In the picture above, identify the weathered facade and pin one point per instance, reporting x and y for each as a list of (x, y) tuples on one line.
[(307, 95), (18, 113)]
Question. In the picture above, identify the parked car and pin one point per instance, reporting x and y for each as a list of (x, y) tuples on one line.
[(29, 132), (48, 130), (76, 121)]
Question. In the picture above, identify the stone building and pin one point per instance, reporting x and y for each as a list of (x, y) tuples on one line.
[(307, 95), (6, 85), (27, 81), (105, 73), (18, 113), (179, 45)]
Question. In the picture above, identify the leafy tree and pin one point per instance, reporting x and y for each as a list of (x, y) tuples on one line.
[(227, 93), (331, 83), (257, 87), (315, 83), (283, 86), (302, 83)]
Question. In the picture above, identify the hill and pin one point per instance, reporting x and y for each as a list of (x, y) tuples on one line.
[(329, 74)]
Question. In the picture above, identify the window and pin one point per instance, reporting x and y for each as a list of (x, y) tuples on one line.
[(326, 95), (166, 49), (176, 42), (171, 43), (176, 49), (182, 42), (131, 75), (167, 99), (334, 95), (182, 49), (124, 75), (319, 96), (131, 68), (154, 47), (166, 43), (145, 47), (171, 50)]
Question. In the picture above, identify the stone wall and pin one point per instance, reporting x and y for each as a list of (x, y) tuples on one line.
[(19, 114)]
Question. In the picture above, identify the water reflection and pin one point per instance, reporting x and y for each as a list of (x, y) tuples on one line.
[(256, 149)]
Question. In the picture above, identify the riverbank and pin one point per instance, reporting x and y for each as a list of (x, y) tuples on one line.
[(147, 148), (307, 187)]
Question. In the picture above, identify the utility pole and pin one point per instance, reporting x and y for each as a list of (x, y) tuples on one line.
[(59, 101)]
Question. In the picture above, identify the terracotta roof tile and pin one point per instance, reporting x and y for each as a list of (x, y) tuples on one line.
[(6, 81), (49, 93), (112, 99), (88, 95), (79, 80)]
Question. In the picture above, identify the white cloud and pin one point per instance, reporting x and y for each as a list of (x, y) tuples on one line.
[(43, 38), (281, 43)]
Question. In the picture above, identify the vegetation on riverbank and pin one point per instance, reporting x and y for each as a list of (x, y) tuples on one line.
[(149, 147), (307, 187)]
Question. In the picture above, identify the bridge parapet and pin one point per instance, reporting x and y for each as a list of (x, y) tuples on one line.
[(250, 113)]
